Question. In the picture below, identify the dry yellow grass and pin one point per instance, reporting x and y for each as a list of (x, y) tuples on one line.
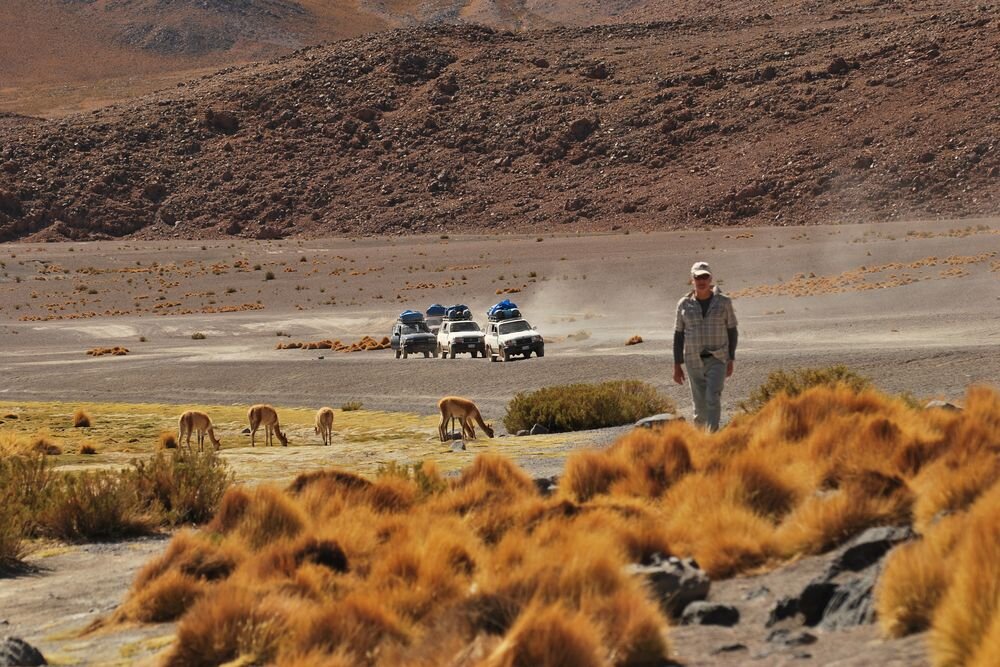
[(480, 569)]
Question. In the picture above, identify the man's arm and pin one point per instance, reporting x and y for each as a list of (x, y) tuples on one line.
[(679, 357)]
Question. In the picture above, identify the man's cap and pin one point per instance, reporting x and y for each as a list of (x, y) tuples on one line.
[(701, 269)]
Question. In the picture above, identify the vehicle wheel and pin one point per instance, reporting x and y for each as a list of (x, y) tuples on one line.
[(540, 353), (427, 355), (489, 353), (442, 353), (397, 354), (453, 354), (405, 353), (506, 355)]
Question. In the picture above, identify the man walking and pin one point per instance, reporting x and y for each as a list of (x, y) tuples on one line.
[(705, 338)]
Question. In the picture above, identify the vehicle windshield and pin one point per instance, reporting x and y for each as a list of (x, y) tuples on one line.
[(514, 327), (419, 327), (465, 326)]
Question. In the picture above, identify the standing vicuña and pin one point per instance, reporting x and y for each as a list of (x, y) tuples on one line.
[(195, 420), (264, 415), (464, 410), (324, 424)]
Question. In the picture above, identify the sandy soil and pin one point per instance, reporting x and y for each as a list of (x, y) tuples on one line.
[(914, 306)]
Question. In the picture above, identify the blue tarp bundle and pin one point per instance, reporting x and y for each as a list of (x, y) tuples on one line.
[(504, 310), (410, 316), (459, 312), (436, 310)]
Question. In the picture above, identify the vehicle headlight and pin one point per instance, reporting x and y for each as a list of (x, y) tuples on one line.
[(536, 339)]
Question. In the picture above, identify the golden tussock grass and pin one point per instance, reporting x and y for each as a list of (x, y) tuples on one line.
[(970, 605), (117, 351), (481, 569), (550, 635), (915, 578), (81, 419), (167, 440)]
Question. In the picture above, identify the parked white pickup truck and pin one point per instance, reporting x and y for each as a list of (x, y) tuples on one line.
[(506, 338), (459, 337)]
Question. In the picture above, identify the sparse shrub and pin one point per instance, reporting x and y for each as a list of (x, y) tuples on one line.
[(795, 382), (197, 335), (578, 407), (187, 486), (634, 340), (269, 275), (350, 406), (24, 481), (13, 520), (87, 449), (81, 419), (97, 505), (142, 339)]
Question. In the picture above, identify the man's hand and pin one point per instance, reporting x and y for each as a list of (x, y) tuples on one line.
[(730, 367), (678, 374)]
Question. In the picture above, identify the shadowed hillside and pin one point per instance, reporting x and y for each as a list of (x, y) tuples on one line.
[(876, 113)]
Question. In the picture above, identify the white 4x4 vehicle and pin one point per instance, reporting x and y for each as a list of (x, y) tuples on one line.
[(459, 337), (506, 338)]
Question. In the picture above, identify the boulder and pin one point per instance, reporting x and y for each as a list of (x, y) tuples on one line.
[(709, 613), (867, 549), (843, 596), (658, 420), (222, 121), (676, 583), (943, 405), (14, 651), (546, 485)]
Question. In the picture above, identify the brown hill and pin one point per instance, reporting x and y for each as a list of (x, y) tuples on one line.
[(806, 116)]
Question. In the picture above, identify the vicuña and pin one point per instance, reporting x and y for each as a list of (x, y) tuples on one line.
[(324, 424), (195, 420), (465, 411), (265, 415)]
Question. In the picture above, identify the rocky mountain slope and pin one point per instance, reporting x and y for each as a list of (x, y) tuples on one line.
[(743, 117)]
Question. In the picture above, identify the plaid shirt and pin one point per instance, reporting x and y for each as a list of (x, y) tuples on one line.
[(705, 333)]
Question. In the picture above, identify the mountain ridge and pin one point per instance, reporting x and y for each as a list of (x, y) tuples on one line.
[(737, 121)]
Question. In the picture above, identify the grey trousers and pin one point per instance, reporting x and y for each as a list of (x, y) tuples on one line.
[(707, 380)]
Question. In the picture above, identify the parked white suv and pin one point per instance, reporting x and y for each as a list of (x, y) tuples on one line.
[(506, 338), (459, 337)]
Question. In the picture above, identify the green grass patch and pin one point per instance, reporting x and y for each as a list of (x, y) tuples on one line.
[(796, 381), (578, 407)]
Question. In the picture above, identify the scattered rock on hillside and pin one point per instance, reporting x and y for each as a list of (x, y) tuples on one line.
[(644, 134)]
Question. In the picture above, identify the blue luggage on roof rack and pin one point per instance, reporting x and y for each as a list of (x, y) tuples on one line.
[(504, 310), (458, 312), (411, 316), (436, 310)]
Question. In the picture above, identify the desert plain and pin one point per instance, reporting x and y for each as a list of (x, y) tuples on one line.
[(914, 306)]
